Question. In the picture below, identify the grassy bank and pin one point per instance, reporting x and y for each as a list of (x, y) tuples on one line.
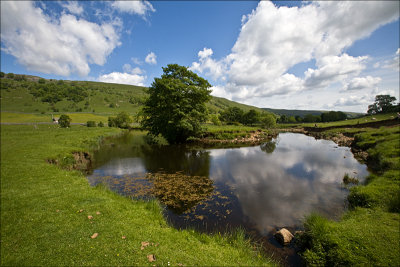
[(369, 233), (45, 209)]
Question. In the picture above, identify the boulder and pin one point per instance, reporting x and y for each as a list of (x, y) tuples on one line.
[(283, 236)]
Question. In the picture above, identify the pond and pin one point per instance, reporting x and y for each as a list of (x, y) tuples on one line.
[(259, 188)]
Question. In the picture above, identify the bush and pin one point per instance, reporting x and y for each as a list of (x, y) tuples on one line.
[(41, 80), (64, 121), (10, 75), (121, 121), (91, 124), (101, 124)]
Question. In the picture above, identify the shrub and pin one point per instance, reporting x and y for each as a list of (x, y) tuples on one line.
[(91, 124), (64, 121), (101, 124), (10, 75)]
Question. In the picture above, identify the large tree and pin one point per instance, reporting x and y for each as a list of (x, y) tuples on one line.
[(176, 105), (383, 103)]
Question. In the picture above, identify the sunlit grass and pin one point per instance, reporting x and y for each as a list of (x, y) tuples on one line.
[(45, 209)]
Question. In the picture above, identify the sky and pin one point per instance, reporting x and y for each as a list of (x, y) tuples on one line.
[(328, 55)]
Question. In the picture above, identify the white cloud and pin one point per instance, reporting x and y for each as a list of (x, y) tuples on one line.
[(273, 39), (123, 78), (332, 69), (206, 52), (73, 7), (128, 68), (133, 7), (54, 46), (361, 83), (353, 100), (151, 59), (394, 63), (214, 69)]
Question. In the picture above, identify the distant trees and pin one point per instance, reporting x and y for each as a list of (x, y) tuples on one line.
[(176, 106), (383, 104), (333, 116), (235, 115), (64, 121)]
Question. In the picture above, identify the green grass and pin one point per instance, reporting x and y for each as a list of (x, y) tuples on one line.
[(41, 223), (368, 234)]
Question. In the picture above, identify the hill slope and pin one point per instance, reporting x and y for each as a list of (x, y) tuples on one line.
[(30, 94)]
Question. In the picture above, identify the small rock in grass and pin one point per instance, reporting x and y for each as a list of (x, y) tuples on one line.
[(57, 210), (283, 236), (80, 211), (98, 212), (90, 217), (94, 235), (151, 257), (123, 237)]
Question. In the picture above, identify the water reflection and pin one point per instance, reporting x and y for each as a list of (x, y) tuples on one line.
[(260, 188)]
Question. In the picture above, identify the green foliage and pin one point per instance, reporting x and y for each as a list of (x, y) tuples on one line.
[(42, 81), (251, 117), (2, 74), (91, 124), (10, 75), (100, 124), (383, 104), (122, 120), (176, 104), (268, 121), (232, 115), (312, 118), (333, 116), (215, 119), (64, 121)]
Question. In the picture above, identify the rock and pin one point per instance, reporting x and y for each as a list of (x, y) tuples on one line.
[(283, 236)]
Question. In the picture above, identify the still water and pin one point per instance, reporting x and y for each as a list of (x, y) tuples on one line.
[(259, 188)]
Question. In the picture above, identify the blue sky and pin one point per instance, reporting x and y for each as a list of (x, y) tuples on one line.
[(284, 54)]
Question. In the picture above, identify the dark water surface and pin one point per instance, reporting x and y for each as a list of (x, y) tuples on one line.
[(259, 188)]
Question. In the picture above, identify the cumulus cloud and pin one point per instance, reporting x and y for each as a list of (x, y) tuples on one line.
[(73, 7), (332, 69), (274, 39), (123, 78), (214, 69), (361, 83), (58, 46), (133, 7), (151, 59)]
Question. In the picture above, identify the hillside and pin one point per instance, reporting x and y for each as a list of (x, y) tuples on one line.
[(303, 113), (31, 94)]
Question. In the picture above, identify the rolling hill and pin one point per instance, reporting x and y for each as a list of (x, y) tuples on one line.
[(32, 94)]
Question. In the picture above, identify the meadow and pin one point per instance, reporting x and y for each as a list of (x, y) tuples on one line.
[(50, 214)]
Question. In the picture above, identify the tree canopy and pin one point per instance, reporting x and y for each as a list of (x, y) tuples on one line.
[(383, 104), (176, 105)]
